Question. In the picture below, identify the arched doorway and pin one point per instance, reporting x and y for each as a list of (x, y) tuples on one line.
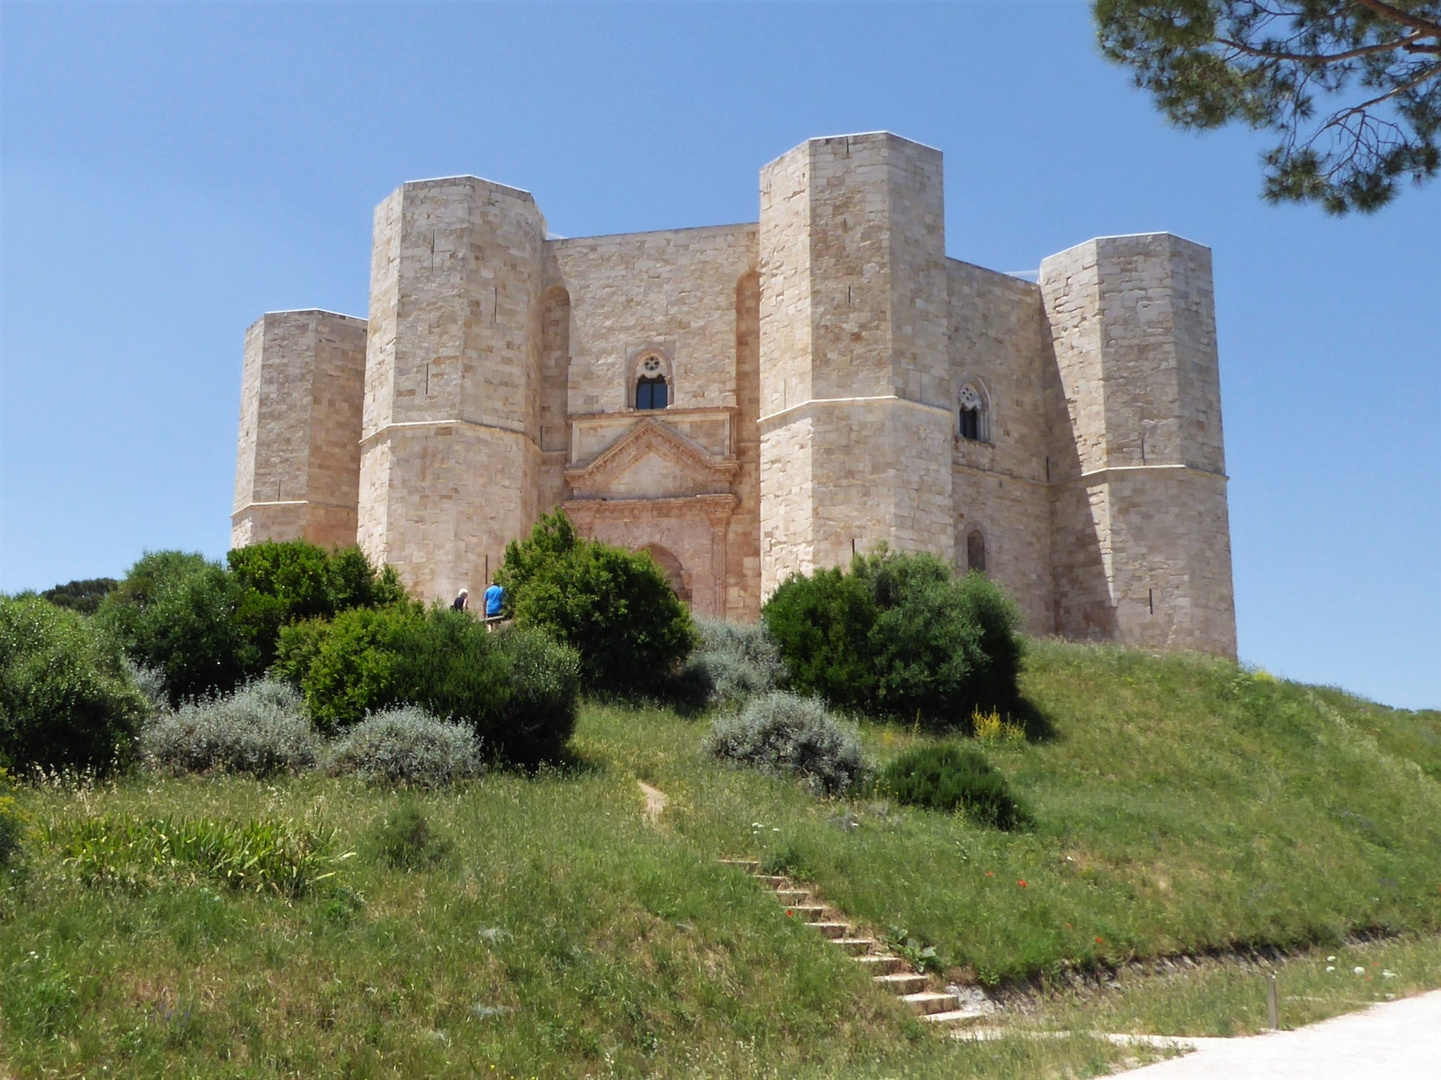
[(672, 568)]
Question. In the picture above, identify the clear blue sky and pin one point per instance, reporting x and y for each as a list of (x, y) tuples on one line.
[(170, 172)]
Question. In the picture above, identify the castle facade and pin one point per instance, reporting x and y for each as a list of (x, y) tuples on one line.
[(750, 401)]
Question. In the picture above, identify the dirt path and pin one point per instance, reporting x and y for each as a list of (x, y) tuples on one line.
[(655, 802)]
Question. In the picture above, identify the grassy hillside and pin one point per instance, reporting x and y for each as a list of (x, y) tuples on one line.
[(1182, 805)]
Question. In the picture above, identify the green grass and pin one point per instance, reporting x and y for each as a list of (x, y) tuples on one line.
[(1181, 805)]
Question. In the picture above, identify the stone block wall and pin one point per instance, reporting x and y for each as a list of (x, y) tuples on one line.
[(997, 334), (855, 374), (298, 459), (451, 455), (1134, 403)]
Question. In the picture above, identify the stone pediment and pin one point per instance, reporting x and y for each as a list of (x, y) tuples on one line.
[(652, 461)]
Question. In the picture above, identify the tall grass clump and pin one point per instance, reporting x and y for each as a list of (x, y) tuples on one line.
[(732, 662), (899, 635), (265, 855), (259, 730), (14, 822), (782, 733), (407, 746), (66, 700), (950, 778), (403, 839)]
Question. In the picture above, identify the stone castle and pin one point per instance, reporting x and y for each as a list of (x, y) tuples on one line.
[(749, 401)]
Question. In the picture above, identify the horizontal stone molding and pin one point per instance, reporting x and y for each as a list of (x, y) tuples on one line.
[(714, 507), (417, 425), (976, 470), (256, 504), (1096, 475), (775, 419)]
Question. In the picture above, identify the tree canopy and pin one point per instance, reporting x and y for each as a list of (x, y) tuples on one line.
[(1351, 87)]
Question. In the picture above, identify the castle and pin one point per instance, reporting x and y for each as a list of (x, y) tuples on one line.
[(749, 401)]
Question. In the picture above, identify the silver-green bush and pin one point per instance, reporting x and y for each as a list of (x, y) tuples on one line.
[(407, 745), (783, 733), (258, 729), (731, 663)]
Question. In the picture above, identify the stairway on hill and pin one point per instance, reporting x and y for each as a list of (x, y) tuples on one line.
[(890, 972)]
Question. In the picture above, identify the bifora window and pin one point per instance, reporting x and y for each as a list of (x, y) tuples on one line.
[(973, 414), (651, 391)]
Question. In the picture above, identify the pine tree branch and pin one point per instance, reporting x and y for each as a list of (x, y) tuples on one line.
[(1405, 18)]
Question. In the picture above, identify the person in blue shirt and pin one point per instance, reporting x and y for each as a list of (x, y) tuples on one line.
[(494, 601)]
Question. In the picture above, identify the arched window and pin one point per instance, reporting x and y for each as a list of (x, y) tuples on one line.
[(976, 551), (651, 389), (974, 415)]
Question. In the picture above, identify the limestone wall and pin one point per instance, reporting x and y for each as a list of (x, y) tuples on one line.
[(1141, 540), (855, 368), (998, 341), (451, 454), (298, 452)]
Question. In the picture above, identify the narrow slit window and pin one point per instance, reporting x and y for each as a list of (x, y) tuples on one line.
[(976, 552)]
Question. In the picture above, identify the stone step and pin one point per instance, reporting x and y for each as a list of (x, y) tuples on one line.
[(954, 1017), (774, 881), (832, 930), (884, 966), (901, 983), (750, 866), (808, 912), (792, 897), (926, 1002), (856, 946)]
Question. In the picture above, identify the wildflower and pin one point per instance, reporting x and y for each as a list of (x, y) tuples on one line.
[(789, 913), (989, 874), (1330, 959), (1100, 941), (1022, 883), (1330, 967), (1358, 971), (1385, 974)]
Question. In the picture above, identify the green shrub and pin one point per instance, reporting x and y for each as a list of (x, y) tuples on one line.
[(283, 582), (349, 665), (732, 662), (516, 689), (65, 698), (952, 778), (177, 613), (614, 607), (403, 840), (258, 730), (82, 596), (407, 746), (208, 629), (266, 855), (783, 733), (536, 717), (899, 635)]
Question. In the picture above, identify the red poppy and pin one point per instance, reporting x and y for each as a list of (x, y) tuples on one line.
[(1100, 941), (989, 874), (1022, 883), (789, 913)]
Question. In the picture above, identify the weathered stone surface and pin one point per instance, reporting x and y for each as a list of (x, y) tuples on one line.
[(815, 364), (298, 459)]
